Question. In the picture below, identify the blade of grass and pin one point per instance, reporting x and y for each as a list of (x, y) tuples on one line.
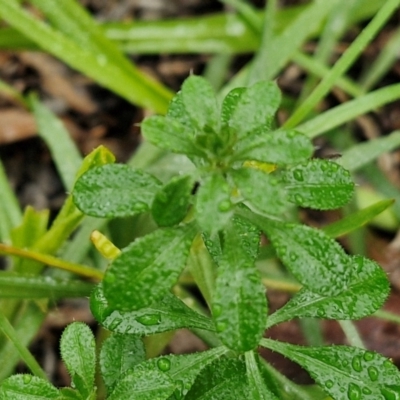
[(135, 86), (24, 353), (381, 65), (347, 111), (64, 151), (344, 63), (363, 153)]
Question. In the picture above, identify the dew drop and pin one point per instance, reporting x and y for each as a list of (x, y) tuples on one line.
[(298, 198), (149, 319), (354, 392), (369, 356), (320, 313), (329, 384), (366, 390), (293, 257), (389, 394), (220, 326), (109, 277), (164, 364), (298, 175), (224, 206), (373, 373), (217, 309), (115, 323), (356, 363), (27, 379)]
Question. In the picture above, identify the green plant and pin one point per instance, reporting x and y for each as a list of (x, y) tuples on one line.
[(247, 178)]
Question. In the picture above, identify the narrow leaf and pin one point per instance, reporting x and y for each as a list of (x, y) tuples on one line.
[(356, 220), (229, 105), (27, 387), (115, 190), (143, 385), (365, 293), (239, 302), (78, 353), (167, 314), (281, 147), (255, 109), (264, 191), (147, 268), (319, 184), (316, 260), (224, 379), (213, 203), (258, 388), (25, 286), (344, 372), (118, 354), (170, 134), (199, 99), (170, 204)]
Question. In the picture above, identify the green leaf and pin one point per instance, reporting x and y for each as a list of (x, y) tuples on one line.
[(27, 387), (143, 385), (170, 134), (263, 190), (345, 372), (319, 184), (114, 190), (67, 393), (229, 105), (171, 202), (316, 260), (279, 147), (257, 385), (213, 203), (167, 314), (199, 99), (118, 354), (356, 220), (183, 369), (147, 268), (224, 379), (239, 302), (78, 353), (254, 109), (177, 111), (365, 293), (27, 286), (63, 149)]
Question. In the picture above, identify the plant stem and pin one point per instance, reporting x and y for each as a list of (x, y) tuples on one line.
[(25, 354), (54, 262), (351, 333)]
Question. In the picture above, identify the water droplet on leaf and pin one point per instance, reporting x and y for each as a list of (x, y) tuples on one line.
[(220, 326), (164, 364), (27, 379), (109, 277), (224, 206), (329, 384), (298, 175), (369, 356), (149, 319), (217, 309), (115, 323), (356, 363), (373, 373), (354, 392)]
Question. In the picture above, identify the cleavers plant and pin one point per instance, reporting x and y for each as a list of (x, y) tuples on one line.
[(247, 179)]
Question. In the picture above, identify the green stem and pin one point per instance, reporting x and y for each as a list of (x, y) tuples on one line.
[(25, 354), (388, 316), (344, 63), (351, 333)]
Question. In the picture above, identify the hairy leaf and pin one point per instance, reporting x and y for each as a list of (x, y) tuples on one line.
[(279, 147), (167, 314), (224, 379), (319, 184), (255, 108), (143, 385), (27, 387), (365, 293), (115, 190), (347, 373), (170, 204), (199, 100), (213, 203), (316, 260), (264, 191), (78, 353), (239, 302), (170, 134), (147, 268), (118, 354)]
